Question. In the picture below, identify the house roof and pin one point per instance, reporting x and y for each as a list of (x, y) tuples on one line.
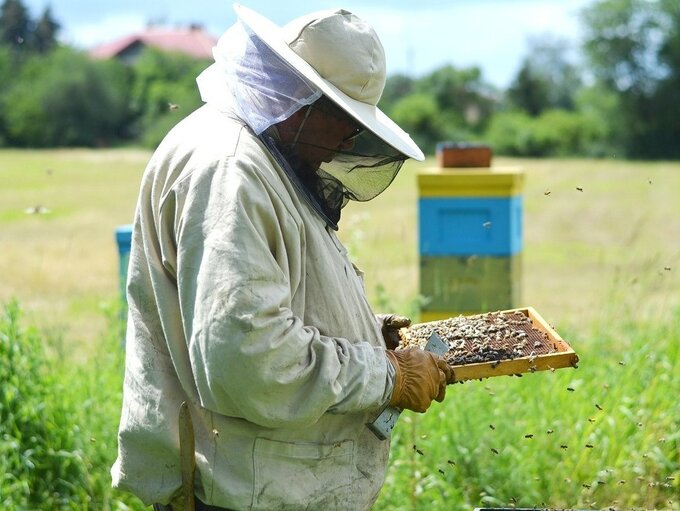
[(193, 41)]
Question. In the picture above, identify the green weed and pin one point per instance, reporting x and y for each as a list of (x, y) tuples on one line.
[(605, 434), (58, 422)]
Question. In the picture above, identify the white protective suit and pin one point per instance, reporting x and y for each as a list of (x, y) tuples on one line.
[(244, 303)]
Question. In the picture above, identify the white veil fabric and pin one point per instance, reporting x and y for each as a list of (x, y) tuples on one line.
[(250, 80)]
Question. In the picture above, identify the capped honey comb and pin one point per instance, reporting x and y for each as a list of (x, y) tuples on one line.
[(496, 343)]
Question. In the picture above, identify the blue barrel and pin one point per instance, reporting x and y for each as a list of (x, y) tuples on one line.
[(123, 240)]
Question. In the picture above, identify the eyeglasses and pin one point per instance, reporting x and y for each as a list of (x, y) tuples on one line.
[(357, 131), (326, 106)]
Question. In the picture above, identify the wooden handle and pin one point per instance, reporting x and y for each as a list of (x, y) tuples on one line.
[(187, 456)]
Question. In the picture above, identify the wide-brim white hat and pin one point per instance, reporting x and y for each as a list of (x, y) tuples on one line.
[(356, 47)]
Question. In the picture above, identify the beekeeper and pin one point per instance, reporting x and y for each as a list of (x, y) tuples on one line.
[(243, 302)]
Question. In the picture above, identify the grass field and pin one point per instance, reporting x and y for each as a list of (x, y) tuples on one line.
[(617, 237), (601, 264)]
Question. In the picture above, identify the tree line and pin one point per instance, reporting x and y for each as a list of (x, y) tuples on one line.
[(617, 93)]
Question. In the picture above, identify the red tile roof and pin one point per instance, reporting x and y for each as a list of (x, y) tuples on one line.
[(192, 41)]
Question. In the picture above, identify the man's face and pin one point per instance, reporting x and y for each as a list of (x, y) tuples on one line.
[(324, 130)]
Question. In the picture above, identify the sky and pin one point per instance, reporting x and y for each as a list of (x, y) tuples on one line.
[(419, 36)]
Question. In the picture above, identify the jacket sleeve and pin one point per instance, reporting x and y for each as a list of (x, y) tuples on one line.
[(239, 255)]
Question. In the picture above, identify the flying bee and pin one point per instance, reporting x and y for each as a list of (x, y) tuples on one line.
[(586, 486), (579, 188), (667, 268), (441, 471), (173, 106), (215, 433), (451, 462), (589, 446), (550, 431), (571, 389), (529, 436), (598, 406), (420, 452), (622, 363), (547, 192), (491, 426), (564, 446), (486, 225), (591, 420), (495, 451), (621, 482)]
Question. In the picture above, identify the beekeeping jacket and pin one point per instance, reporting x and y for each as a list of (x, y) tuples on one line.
[(243, 303)]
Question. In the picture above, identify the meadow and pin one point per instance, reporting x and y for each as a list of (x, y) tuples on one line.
[(601, 262)]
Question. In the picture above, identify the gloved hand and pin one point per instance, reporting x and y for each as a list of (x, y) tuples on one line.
[(420, 377), (389, 326)]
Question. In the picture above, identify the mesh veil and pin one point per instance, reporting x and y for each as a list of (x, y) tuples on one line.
[(252, 81), (263, 89)]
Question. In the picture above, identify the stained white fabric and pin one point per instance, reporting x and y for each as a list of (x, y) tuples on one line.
[(245, 304)]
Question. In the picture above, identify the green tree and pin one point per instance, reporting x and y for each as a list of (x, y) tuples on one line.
[(45, 32), (462, 94), (397, 87), (163, 89), (528, 91), (6, 74), (15, 24), (547, 78), (66, 99), (418, 114), (633, 50)]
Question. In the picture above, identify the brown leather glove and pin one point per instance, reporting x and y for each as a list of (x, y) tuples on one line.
[(420, 377), (389, 326)]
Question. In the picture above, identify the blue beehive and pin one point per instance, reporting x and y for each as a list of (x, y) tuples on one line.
[(470, 244), (123, 240)]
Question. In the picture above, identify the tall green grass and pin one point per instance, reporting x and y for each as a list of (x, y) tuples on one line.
[(58, 421), (604, 435)]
